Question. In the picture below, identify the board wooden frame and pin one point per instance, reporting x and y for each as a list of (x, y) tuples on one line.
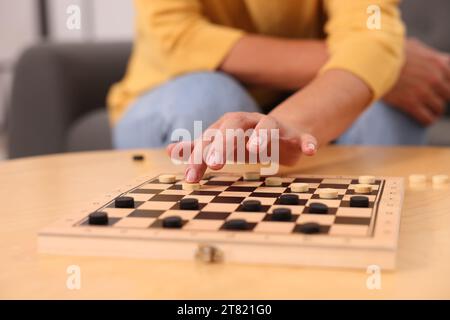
[(307, 250)]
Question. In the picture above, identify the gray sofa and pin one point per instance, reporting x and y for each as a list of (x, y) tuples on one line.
[(59, 90), (58, 97)]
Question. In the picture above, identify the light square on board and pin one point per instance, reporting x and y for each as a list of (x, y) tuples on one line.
[(234, 194), (225, 178), (274, 227), (270, 189), (131, 222), (140, 196), (203, 225), (213, 188), (354, 212), (157, 205), (322, 219), (146, 191), (221, 207), (176, 192), (156, 186), (247, 184), (117, 212), (249, 216), (184, 214), (303, 196), (336, 181), (200, 198)]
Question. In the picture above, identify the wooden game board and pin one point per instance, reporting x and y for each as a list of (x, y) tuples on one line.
[(349, 237)]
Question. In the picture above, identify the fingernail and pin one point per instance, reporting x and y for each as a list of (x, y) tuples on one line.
[(217, 158), (253, 143), (311, 147), (210, 159), (191, 175), (214, 158), (262, 141)]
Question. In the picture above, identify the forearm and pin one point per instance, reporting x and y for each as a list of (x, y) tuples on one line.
[(278, 63), (327, 106)]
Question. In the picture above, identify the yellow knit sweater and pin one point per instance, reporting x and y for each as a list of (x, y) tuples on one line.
[(175, 37)]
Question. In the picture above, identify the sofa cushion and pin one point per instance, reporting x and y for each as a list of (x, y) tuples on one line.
[(439, 134), (90, 132)]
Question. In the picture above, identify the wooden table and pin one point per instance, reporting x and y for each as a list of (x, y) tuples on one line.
[(37, 191)]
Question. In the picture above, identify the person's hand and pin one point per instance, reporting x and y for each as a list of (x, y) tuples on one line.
[(423, 88), (211, 148)]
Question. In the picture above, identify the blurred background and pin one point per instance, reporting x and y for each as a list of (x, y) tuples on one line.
[(54, 76), (25, 24)]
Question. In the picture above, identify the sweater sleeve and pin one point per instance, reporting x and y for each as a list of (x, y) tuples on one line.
[(181, 38), (374, 55)]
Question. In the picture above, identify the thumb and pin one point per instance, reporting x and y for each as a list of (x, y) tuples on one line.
[(308, 144)]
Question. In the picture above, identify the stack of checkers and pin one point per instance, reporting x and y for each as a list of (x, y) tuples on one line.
[(283, 211), (437, 180)]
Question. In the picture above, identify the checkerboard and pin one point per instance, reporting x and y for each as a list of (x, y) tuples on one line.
[(349, 236)]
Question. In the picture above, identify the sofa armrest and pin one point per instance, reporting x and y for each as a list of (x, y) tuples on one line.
[(55, 84), (428, 21)]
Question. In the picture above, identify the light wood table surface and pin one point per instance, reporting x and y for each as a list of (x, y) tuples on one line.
[(37, 191)]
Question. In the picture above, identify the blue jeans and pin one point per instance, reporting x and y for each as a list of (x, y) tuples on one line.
[(206, 96)]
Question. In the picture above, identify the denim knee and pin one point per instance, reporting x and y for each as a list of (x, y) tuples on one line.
[(201, 96), (382, 124)]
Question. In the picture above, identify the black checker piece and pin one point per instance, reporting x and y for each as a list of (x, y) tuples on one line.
[(317, 207), (138, 157), (359, 202), (289, 199), (189, 204), (147, 191), (98, 218), (236, 224), (172, 222), (308, 228), (281, 214), (251, 205), (124, 202)]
